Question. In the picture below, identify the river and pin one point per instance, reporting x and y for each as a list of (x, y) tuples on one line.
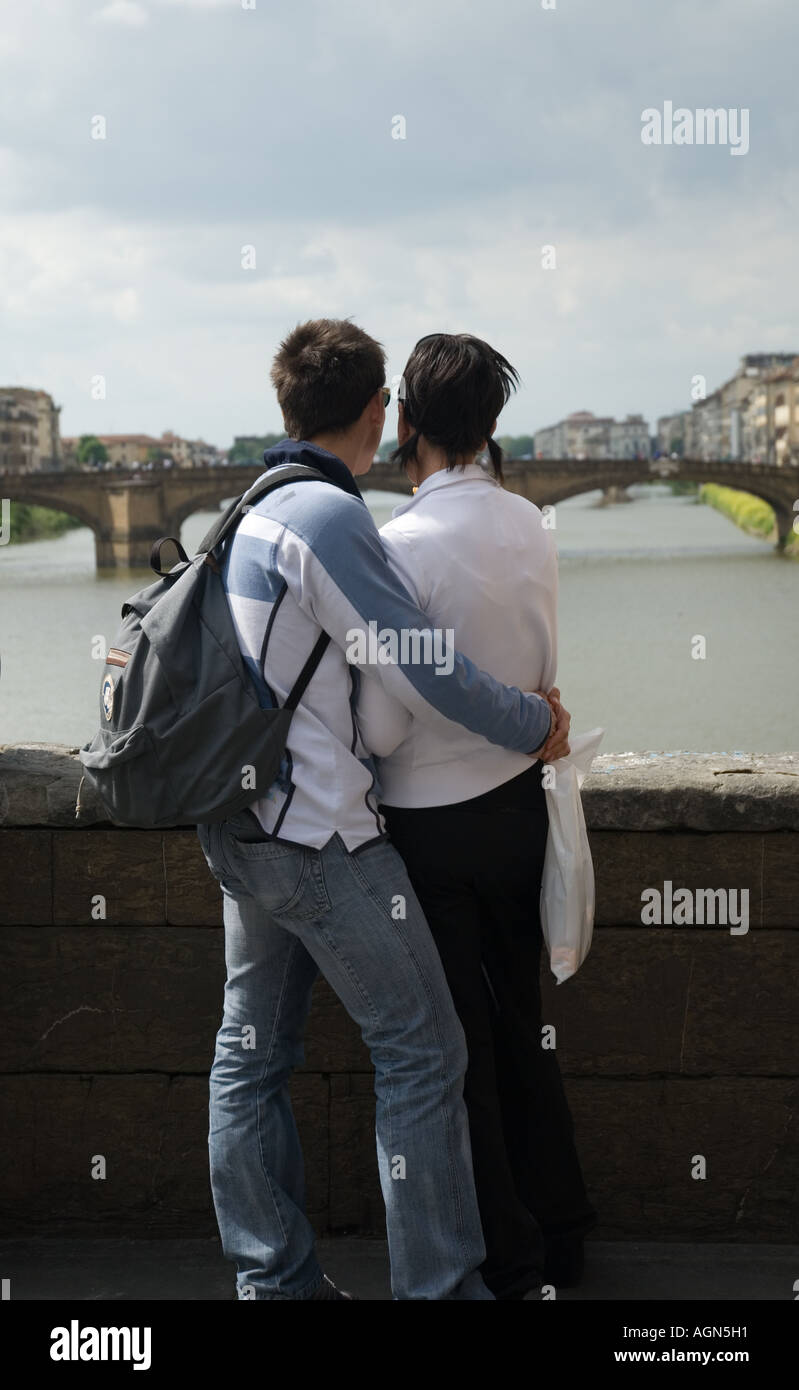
[(638, 583)]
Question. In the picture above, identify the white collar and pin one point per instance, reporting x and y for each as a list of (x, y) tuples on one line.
[(445, 477)]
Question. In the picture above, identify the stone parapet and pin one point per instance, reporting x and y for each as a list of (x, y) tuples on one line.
[(675, 1040)]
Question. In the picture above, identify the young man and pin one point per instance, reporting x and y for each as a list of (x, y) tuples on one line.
[(310, 882)]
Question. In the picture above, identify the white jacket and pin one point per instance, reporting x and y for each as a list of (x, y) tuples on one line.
[(478, 560)]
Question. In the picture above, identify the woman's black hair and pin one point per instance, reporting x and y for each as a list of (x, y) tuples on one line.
[(453, 388)]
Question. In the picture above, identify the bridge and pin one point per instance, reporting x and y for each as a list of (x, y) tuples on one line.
[(127, 510)]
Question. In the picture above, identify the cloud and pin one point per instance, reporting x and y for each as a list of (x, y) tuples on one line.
[(272, 128), (184, 335), (208, 4), (127, 13)]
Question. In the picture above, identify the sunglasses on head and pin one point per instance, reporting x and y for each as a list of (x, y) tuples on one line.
[(386, 393)]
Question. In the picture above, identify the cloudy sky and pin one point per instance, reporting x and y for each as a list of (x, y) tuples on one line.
[(271, 127)]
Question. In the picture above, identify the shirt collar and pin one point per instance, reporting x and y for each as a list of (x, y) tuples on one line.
[(300, 451), (445, 477)]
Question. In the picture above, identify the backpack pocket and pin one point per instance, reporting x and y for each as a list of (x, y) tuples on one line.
[(128, 777)]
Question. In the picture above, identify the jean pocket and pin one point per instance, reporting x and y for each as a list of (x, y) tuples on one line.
[(277, 875), (208, 837)]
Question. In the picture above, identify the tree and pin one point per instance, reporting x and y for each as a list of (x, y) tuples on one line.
[(516, 445), (156, 454), (91, 450), (249, 449)]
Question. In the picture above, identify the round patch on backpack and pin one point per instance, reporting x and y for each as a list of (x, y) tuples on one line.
[(107, 697)]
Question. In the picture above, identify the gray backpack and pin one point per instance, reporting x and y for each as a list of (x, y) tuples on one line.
[(185, 733)]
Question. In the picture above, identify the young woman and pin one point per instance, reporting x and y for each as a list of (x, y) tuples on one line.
[(468, 817)]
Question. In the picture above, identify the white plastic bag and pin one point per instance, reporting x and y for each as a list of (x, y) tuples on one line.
[(567, 885)]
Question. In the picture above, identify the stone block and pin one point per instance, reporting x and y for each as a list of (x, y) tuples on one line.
[(193, 896), (780, 877), (743, 792), (152, 1132), (638, 1142), (26, 897), (655, 1001), (622, 1013), (626, 863), (124, 866), (39, 786), (104, 999)]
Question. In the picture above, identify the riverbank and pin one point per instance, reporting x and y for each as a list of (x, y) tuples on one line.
[(31, 523), (750, 513)]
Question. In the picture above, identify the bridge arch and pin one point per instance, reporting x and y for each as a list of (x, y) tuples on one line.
[(55, 503), (770, 490), (575, 488), (204, 501)]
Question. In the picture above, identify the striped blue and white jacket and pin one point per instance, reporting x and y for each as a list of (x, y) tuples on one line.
[(308, 557)]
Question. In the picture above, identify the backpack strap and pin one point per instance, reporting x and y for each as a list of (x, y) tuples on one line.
[(165, 554), (273, 478), (286, 473), (298, 689)]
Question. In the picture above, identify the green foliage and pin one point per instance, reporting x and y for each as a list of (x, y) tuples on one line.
[(30, 523), (91, 450), (250, 450), (514, 446), (386, 448), (751, 513)]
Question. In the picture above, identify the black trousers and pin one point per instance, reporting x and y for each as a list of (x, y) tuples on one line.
[(476, 868)]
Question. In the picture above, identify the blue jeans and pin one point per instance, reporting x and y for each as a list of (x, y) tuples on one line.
[(289, 913)]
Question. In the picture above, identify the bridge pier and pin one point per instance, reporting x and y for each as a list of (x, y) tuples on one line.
[(785, 520), (135, 517), (614, 494), (126, 551)]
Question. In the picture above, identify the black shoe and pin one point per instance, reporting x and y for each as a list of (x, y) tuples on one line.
[(525, 1285), (327, 1289), (529, 1295), (564, 1262)]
